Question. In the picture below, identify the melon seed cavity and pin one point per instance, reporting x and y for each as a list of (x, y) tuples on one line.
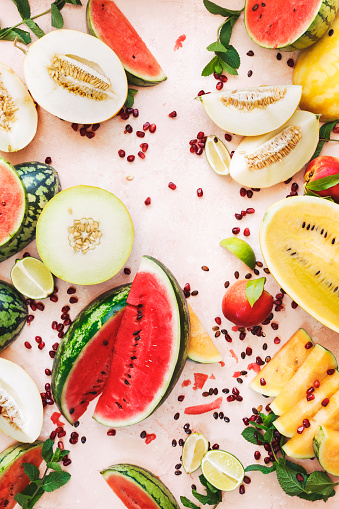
[(9, 410), (7, 109), (258, 98), (275, 149), (84, 235)]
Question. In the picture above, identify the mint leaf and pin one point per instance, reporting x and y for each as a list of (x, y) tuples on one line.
[(34, 28), (57, 20), (227, 68), (208, 485), (254, 289), (295, 466), (23, 8), (22, 500), (31, 471), (268, 419), (250, 434), (319, 482), (130, 97), (216, 46), (324, 134), (313, 497), (54, 466), (35, 499), (9, 34), (218, 66), (226, 29), (188, 503), (323, 183), (261, 468), (74, 2), (47, 450), (288, 480), (216, 9), (55, 480), (268, 436), (231, 57), (209, 68)]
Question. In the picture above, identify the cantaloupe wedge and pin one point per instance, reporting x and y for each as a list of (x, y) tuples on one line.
[(201, 348)]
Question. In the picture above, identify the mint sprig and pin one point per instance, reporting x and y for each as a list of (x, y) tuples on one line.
[(130, 97), (226, 56), (324, 136), (213, 495), (50, 481), (254, 290)]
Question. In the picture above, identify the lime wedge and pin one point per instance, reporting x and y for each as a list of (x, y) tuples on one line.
[(217, 155), (241, 249), (32, 278), (223, 470), (193, 451)]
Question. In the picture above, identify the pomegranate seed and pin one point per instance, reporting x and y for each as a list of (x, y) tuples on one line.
[(200, 93), (216, 75), (330, 372), (73, 300), (29, 319), (235, 391), (60, 327), (50, 401), (294, 305), (217, 320), (47, 387), (54, 325), (308, 345), (238, 216), (248, 350), (172, 186), (250, 210), (235, 231), (140, 134), (192, 149), (111, 432), (230, 398), (68, 321), (65, 309), (128, 128), (59, 429), (123, 116), (48, 372), (152, 128), (66, 462), (249, 193), (90, 135), (262, 381), (247, 232), (55, 346), (201, 144), (54, 298), (200, 192), (268, 408), (241, 489), (144, 147), (199, 151), (146, 126), (242, 190), (74, 126), (135, 113), (300, 478), (33, 306), (61, 445), (147, 201), (71, 290), (200, 135), (306, 423), (95, 127), (325, 402), (310, 390), (246, 421), (310, 397), (61, 335), (267, 460), (52, 435), (239, 398), (64, 316), (40, 306), (141, 155), (27, 345), (121, 153), (48, 160), (61, 434), (223, 78), (243, 213), (316, 384), (187, 287), (173, 114), (41, 345), (277, 341), (257, 455), (219, 85), (130, 159), (51, 354), (247, 480)]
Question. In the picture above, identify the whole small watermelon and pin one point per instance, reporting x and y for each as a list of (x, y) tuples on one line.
[(13, 314)]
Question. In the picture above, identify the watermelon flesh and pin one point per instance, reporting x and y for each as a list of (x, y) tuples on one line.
[(109, 24), (12, 202), (130, 493)]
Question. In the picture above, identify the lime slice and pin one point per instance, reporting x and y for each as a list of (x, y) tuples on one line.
[(193, 451), (241, 249), (32, 278), (217, 155), (222, 470)]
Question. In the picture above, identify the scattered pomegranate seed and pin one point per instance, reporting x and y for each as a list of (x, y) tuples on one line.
[(330, 372), (40, 306), (61, 445), (48, 160), (130, 158), (147, 201), (141, 155), (83, 131), (238, 216), (172, 186), (235, 391), (300, 477), (310, 397), (325, 402), (202, 92), (123, 116), (250, 211), (248, 350), (216, 75), (200, 135), (41, 345), (140, 134), (242, 190), (187, 287), (173, 114), (200, 192), (28, 345), (121, 153), (74, 126), (29, 319), (217, 320), (65, 309), (310, 390), (277, 341), (144, 147), (54, 298), (152, 128), (249, 193), (111, 432), (71, 290), (262, 381), (306, 423), (73, 300), (95, 127), (316, 384), (219, 85), (241, 489), (257, 455), (55, 347), (235, 231), (223, 78), (294, 305), (127, 271), (48, 372), (135, 112), (230, 398), (47, 387), (53, 435), (300, 430), (247, 232), (308, 345), (247, 480), (199, 151), (66, 462), (51, 354), (90, 134), (146, 126), (128, 128)]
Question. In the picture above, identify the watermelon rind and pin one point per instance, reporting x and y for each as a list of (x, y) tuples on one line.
[(12, 453), (317, 28), (42, 183), (143, 480), (13, 314), (82, 330)]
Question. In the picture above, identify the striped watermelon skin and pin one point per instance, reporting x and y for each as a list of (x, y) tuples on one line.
[(42, 183), (13, 314)]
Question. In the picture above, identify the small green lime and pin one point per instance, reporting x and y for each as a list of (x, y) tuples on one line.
[(241, 249), (222, 469), (217, 155), (32, 278)]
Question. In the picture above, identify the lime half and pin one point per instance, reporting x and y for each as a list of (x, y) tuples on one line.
[(32, 278), (193, 451), (217, 155), (222, 470), (241, 249)]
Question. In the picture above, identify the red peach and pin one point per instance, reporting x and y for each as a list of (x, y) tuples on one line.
[(321, 167), (238, 310)]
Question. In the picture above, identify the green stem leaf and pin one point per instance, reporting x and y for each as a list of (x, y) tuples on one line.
[(254, 290)]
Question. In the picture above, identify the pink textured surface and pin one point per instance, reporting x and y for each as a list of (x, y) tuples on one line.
[(181, 230)]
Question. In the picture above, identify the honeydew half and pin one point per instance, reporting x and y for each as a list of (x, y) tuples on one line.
[(21, 414), (75, 77), (84, 235), (262, 161), (252, 111), (18, 115)]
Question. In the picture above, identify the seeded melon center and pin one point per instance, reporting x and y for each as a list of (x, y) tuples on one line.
[(7, 109), (80, 77), (9, 410), (258, 98), (84, 235)]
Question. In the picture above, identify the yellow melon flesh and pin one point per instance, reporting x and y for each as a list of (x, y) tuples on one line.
[(299, 239), (326, 448), (288, 423), (201, 347), (301, 446), (314, 368), (284, 365)]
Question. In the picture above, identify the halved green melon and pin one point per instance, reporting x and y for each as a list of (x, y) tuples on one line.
[(84, 235), (75, 77), (252, 111), (262, 161), (201, 348), (13, 479), (313, 368), (299, 239), (301, 445), (287, 24), (108, 23), (288, 423), (19, 118), (326, 448), (283, 366), (138, 488)]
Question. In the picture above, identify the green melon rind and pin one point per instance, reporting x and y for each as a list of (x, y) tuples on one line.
[(146, 481), (318, 438), (42, 183), (315, 31), (85, 326), (13, 314), (12, 453), (133, 79)]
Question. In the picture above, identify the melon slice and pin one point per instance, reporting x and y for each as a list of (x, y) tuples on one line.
[(18, 115), (138, 488), (13, 203), (326, 448), (13, 479), (75, 77), (252, 111), (287, 24), (150, 348), (283, 366), (288, 423), (201, 348), (263, 161), (313, 368), (107, 22), (299, 239), (84, 235), (301, 445)]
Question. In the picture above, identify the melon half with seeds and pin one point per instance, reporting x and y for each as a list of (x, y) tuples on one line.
[(75, 77), (299, 239), (84, 235)]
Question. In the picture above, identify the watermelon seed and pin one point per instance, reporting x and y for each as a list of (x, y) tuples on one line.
[(105, 343), (143, 434), (71, 411), (136, 332), (176, 416), (118, 405), (127, 382)]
